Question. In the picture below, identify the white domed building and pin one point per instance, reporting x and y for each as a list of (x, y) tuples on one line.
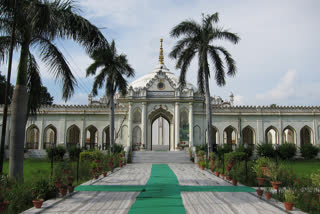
[(156, 115)]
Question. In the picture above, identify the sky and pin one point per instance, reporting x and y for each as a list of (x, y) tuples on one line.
[(277, 57)]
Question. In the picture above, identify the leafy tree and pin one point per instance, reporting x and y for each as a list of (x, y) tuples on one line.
[(3, 83), (198, 41), (38, 24), (114, 69)]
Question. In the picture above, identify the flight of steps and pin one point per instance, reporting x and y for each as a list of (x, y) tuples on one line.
[(160, 157)]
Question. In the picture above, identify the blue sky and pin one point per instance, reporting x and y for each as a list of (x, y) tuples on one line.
[(277, 57)]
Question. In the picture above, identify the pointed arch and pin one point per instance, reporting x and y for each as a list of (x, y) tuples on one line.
[(50, 136), (32, 137), (230, 135), (91, 140), (137, 115), (184, 125), (73, 135), (196, 135), (306, 134), (136, 137), (248, 135), (106, 138), (289, 135), (272, 135)]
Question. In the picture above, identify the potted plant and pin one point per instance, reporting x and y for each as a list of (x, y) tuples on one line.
[(57, 175), (235, 176), (274, 175), (256, 168), (263, 163), (202, 164), (63, 189), (268, 192), (289, 198), (38, 192), (259, 192), (315, 177), (228, 177), (69, 179), (212, 157), (3, 196), (94, 167), (211, 166)]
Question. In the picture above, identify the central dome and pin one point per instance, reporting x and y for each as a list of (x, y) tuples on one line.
[(142, 82)]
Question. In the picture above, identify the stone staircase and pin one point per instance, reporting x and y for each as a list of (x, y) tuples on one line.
[(160, 157), (160, 147)]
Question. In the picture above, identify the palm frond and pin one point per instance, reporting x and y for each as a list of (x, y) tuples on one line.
[(99, 81), (181, 44), (232, 68), (218, 67), (52, 56), (5, 47), (219, 33), (34, 85), (189, 27), (186, 58)]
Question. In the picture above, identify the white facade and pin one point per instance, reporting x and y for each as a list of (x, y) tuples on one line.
[(157, 95)]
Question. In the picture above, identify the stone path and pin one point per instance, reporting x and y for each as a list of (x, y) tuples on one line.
[(138, 174)]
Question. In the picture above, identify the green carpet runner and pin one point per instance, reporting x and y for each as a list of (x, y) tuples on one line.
[(161, 194)]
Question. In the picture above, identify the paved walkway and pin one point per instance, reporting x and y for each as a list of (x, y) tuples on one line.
[(139, 174)]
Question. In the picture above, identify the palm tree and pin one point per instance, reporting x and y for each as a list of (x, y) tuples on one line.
[(38, 24), (198, 40), (114, 68)]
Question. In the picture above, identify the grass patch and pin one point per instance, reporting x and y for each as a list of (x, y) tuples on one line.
[(303, 167)]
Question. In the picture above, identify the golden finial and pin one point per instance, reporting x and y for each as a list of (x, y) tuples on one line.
[(161, 53)]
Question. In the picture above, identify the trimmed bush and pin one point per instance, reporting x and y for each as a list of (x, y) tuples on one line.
[(236, 156), (265, 150), (91, 156), (309, 151), (287, 151), (58, 152), (117, 148)]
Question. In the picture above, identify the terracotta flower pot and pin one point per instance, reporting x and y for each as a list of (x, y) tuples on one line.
[(104, 174), (288, 205), (63, 190), (202, 167), (217, 174), (234, 182), (37, 203), (228, 168), (222, 176), (275, 184), (211, 170), (96, 176), (259, 192), (96, 161), (228, 178), (260, 181), (58, 184), (4, 206), (268, 195), (93, 170)]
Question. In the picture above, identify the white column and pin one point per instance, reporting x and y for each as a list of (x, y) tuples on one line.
[(190, 125), (172, 136), (41, 134), (130, 125), (144, 124), (177, 125)]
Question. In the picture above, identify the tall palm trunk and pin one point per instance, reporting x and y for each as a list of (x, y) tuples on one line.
[(19, 106), (208, 113), (111, 122)]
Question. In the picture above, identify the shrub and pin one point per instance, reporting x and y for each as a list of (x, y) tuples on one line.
[(265, 150), (289, 195), (242, 149), (20, 197), (263, 162), (287, 151), (74, 152), (90, 156), (117, 148), (309, 151), (57, 152), (202, 147), (227, 148)]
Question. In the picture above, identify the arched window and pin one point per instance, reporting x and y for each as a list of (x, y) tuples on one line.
[(73, 135), (271, 135), (196, 135), (306, 135), (137, 115), (91, 137), (32, 137), (248, 135), (50, 136), (184, 126), (136, 138), (230, 135), (289, 135)]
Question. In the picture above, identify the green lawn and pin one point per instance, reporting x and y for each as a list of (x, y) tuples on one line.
[(303, 167), (33, 168)]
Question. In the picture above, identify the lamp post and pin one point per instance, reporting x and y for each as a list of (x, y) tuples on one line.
[(222, 158), (78, 154), (52, 146), (246, 150), (276, 146)]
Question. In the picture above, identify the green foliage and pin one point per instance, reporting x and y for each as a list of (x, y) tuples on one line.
[(40, 188), (234, 156), (212, 155), (265, 150), (202, 147), (289, 195), (309, 151), (227, 149), (57, 152), (287, 151), (20, 197), (257, 169), (241, 148), (201, 154), (74, 152), (129, 157), (118, 148), (263, 162), (3, 89), (315, 177), (58, 170), (202, 163), (94, 165), (91, 155)]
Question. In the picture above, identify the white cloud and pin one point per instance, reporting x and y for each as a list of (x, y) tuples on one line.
[(238, 100), (283, 90)]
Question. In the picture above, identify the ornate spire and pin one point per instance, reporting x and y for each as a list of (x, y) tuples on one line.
[(161, 53)]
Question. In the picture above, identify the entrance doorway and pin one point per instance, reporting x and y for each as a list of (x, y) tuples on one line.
[(160, 134)]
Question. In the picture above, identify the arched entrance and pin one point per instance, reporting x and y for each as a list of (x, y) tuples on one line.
[(161, 130), (289, 135), (50, 136), (272, 135), (306, 135), (248, 135), (230, 135), (32, 141), (91, 137), (73, 135)]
